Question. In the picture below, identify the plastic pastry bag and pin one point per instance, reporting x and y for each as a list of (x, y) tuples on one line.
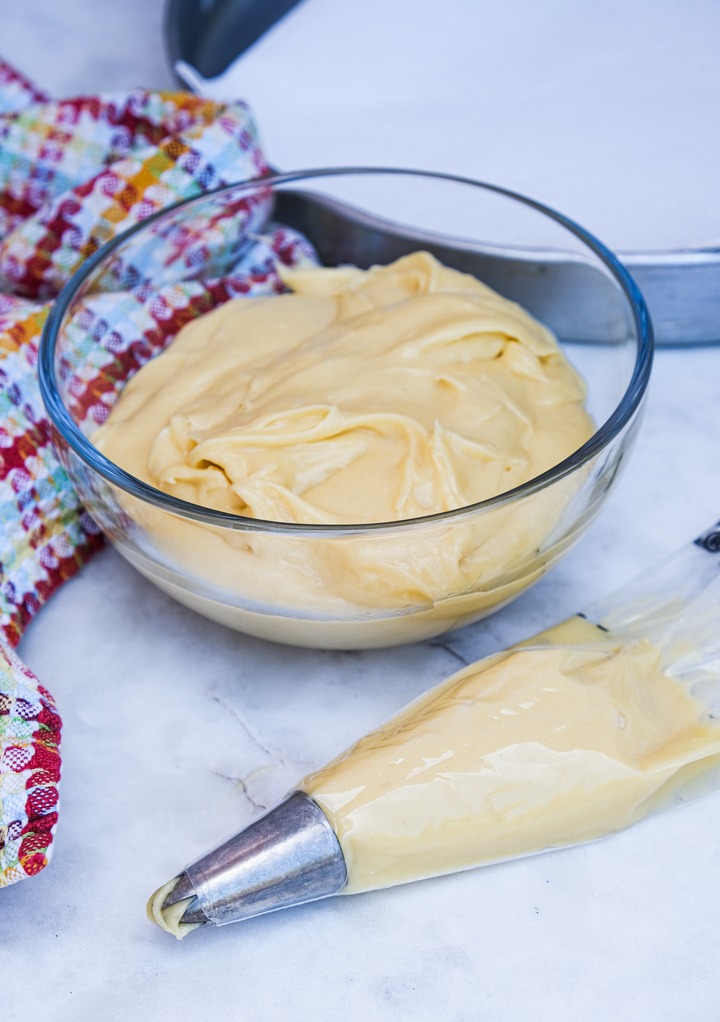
[(578, 732), (571, 735)]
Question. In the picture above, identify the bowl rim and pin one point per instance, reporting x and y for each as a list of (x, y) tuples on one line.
[(623, 413)]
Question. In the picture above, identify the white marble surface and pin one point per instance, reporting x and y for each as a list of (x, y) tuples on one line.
[(176, 729)]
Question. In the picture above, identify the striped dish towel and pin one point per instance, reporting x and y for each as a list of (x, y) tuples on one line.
[(73, 174)]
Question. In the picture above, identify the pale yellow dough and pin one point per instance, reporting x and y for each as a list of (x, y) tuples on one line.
[(538, 747), (168, 918), (362, 397)]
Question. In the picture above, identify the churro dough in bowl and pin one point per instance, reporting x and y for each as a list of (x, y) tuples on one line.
[(370, 457)]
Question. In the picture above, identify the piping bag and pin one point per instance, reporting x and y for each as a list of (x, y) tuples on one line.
[(580, 731)]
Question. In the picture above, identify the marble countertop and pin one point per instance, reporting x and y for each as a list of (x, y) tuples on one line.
[(177, 731)]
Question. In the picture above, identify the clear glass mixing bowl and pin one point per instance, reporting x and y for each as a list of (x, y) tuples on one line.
[(343, 586)]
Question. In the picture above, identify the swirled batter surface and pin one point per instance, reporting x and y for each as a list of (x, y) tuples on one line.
[(363, 396)]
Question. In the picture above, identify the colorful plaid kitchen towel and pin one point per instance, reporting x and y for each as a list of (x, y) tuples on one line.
[(74, 173)]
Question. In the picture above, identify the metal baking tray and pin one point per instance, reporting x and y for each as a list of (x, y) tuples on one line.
[(681, 286)]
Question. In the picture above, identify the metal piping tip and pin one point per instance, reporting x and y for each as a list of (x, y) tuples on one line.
[(174, 907), (183, 891), (287, 857)]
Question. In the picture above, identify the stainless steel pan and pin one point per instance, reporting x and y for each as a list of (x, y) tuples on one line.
[(681, 287)]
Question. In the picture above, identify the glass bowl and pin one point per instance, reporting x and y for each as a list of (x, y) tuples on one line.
[(343, 586)]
